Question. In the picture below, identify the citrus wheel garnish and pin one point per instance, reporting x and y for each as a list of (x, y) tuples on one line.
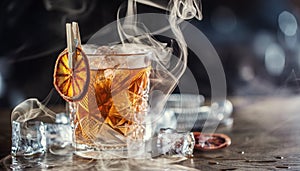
[(72, 82)]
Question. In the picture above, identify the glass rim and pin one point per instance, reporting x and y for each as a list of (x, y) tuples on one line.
[(118, 54)]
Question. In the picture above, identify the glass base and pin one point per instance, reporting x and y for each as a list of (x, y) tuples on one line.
[(104, 155), (134, 149), (101, 152)]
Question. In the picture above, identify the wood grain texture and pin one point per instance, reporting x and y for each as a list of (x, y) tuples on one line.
[(265, 136)]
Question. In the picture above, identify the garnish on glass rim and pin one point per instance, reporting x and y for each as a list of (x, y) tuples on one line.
[(71, 75)]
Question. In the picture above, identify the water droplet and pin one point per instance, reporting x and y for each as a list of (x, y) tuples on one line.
[(241, 152), (279, 157)]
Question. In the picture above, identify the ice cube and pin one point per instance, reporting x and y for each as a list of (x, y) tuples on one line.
[(104, 50), (89, 48), (34, 129), (171, 142), (28, 138), (58, 134), (62, 118), (37, 137)]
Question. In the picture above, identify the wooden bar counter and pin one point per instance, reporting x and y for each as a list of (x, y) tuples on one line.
[(265, 136)]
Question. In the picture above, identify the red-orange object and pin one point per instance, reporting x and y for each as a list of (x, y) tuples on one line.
[(211, 141)]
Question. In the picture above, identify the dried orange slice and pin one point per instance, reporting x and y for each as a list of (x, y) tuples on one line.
[(72, 83)]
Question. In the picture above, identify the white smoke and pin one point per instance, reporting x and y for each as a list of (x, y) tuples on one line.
[(31, 109)]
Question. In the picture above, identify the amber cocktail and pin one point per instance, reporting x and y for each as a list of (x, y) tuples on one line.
[(115, 105)]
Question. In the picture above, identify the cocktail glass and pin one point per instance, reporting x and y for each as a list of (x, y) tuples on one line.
[(113, 111)]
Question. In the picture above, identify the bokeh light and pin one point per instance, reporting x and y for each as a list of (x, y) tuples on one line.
[(246, 72), (274, 59), (287, 23)]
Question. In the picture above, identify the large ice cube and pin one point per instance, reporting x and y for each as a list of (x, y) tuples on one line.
[(37, 137), (28, 138), (58, 134), (34, 129), (171, 142)]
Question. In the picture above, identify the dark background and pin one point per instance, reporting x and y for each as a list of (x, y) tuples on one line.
[(32, 34)]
